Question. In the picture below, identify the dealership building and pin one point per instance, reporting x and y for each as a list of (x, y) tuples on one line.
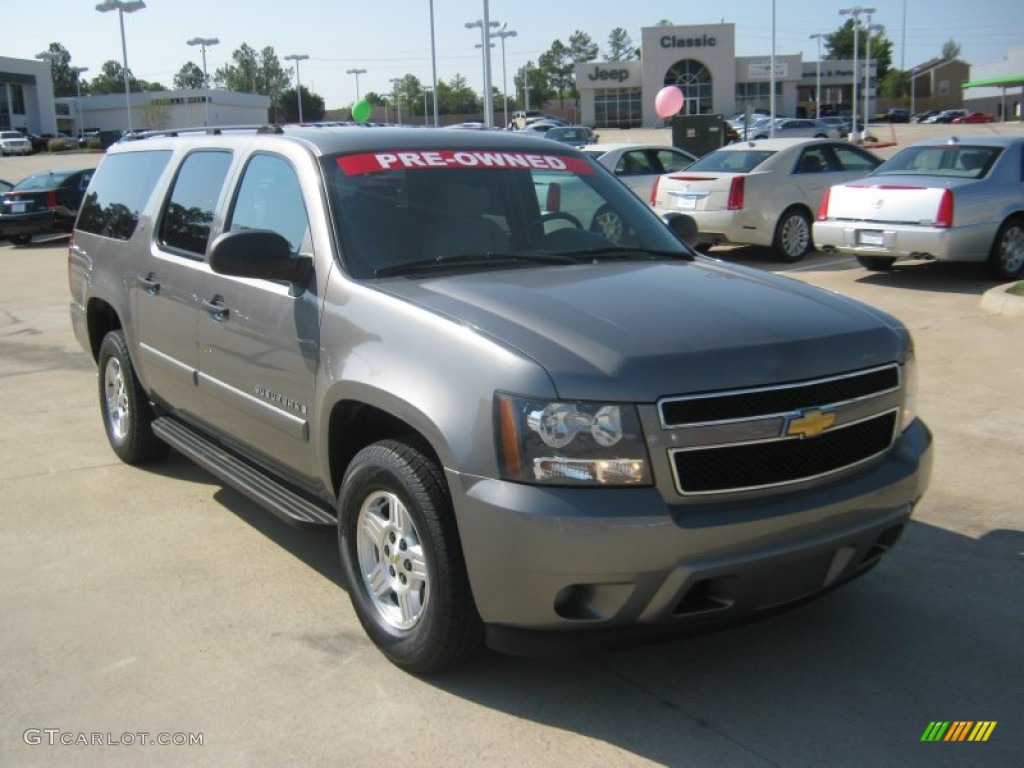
[(701, 60)]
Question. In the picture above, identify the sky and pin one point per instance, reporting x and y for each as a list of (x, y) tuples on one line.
[(391, 38)]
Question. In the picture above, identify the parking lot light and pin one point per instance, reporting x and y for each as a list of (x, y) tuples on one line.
[(297, 57), (204, 43), (122, 7)]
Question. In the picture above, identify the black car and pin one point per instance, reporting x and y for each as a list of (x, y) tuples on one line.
[(43, 202)]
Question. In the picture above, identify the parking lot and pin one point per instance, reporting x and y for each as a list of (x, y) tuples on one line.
[(157, 601)]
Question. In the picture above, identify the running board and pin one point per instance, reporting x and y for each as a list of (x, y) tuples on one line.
[(262, 488)]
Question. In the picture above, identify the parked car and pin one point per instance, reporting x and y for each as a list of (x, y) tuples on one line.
[(761, 192), (540, 126), (520, 432), (43, 202), (947, 201), (896, 115), (947, 116), (923, 117), (573, 135), (14, 143), (638, 165), (795, 127), (975, 117)]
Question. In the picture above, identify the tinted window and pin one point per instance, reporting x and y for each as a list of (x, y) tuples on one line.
[(854, 159), (270, 197), (673, 161), (953, 160), (189, 214), (119, 191), (634, 163)]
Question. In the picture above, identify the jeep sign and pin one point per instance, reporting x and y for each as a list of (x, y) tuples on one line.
[(618, 75)]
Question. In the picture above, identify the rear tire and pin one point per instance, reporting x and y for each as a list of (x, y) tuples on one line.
[(127, 414), (20, 239), (402, 559), (876, 263), (792, 236), (1006, 261)]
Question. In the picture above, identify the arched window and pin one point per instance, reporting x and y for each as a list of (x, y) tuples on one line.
[(695, 81)]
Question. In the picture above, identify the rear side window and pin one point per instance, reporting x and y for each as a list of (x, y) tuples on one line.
[(119, 191), (185, 225)]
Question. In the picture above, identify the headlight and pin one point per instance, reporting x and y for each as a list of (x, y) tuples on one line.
[(909, 391), (570, 443)]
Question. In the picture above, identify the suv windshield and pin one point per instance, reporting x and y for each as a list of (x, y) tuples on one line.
[(479, 209)]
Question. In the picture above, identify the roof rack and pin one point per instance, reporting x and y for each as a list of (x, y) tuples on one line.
[(209, 130)]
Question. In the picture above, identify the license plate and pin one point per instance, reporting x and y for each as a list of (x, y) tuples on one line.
[(871, 238), (17, 208), (686, 202)]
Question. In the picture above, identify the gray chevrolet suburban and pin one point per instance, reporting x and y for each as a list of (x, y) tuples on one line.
[(533, 414)]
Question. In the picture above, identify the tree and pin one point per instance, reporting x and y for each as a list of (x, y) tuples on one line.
[(620, 46), (950, 49), (111, 79), (540, 88), (582, 48), (895, 84), (456, 97), (312, 106), (557, 67), (189, 76), (60, 71), (839, 45), (254, 72)]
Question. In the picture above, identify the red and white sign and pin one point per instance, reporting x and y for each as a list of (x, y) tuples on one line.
[(419, 159)]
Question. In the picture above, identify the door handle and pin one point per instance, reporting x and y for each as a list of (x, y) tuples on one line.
[(148, 284), (216, 309)]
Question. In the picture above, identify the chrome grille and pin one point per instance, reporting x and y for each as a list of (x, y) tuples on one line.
[(750, 439)]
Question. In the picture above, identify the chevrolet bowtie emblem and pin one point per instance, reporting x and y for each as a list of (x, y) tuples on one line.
[(810, 423)]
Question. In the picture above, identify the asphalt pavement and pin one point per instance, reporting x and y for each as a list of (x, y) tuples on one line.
[(143, 605)]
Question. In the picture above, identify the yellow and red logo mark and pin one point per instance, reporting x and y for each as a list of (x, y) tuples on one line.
[(958, 730)]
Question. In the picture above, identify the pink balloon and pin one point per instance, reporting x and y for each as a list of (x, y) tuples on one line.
[(668, 101)]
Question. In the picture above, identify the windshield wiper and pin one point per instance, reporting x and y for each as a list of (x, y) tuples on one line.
[(622, 252), (486, 259)]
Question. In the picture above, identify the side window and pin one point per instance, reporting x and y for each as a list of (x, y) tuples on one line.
[(851, 159), (634, 163), (673, 161), (187, 219), (119, 191), (812, 161), (270, 197)]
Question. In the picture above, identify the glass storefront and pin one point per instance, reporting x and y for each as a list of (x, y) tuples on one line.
[(618, 108), (694, 79)]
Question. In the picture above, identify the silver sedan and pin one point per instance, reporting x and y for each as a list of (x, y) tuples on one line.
[(638, 165), (944, 200)]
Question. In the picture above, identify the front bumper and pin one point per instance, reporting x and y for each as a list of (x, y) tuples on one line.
[(606, 562)]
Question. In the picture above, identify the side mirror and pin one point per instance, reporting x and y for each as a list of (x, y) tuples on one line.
[(258, 253), (684, 227)]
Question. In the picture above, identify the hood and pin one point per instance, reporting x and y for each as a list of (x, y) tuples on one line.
[(639, 331)]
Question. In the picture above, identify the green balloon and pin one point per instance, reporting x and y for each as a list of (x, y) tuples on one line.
[(361, 111)]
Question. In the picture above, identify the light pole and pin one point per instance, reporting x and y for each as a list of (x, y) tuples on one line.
[(526, 86), (204, 43), (503, 33), (357, 73), (297, 57), (855, 12), (425, 106), (395, 82), (913, 89), (76, 71), (433, 66), (122, 7), (485, 25), (817, 81), (868, 29)]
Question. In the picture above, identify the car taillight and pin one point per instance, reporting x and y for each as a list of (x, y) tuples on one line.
[(654, 190), (553, 203), (823, 205), (736, 189), (51, 199), (944, 218)]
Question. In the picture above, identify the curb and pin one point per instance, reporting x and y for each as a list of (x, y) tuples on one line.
[(997, 301)]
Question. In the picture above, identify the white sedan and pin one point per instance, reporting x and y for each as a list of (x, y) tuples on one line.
[(944, 200), (761, 192), (638, 165)]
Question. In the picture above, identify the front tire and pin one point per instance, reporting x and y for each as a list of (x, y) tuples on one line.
[(1006, 261), (20, 239), (792, 236), (127, 414), (402, 559)]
